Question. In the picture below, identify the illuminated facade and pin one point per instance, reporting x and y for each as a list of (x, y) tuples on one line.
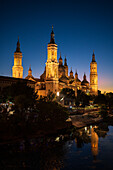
[(93, 76), (52, 80), (55, 76), (17, 69)]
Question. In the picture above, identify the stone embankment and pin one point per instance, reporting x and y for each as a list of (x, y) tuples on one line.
[(86, 119)]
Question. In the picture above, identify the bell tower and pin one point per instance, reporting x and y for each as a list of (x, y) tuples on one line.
[(52, 66), (93, 76), (17, 69)]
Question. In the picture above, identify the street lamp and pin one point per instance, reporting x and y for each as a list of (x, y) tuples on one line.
[(57, 93)]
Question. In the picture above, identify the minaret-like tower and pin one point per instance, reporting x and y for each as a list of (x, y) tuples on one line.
[(93, 76), (52, 66), (66, 66), (17, 69)]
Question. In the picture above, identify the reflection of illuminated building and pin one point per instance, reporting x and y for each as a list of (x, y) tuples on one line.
[(94, 143)]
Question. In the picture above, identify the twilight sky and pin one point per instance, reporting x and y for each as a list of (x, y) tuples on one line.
[(79, 26)]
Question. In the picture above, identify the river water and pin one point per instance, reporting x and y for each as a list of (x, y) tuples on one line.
[(91, 148)]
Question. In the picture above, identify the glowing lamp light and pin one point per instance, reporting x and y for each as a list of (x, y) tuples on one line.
[(58, 93), (85, 128)]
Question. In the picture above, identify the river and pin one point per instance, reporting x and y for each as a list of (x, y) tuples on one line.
[(91, 148)]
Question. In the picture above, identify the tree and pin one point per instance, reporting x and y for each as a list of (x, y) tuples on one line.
[(83, 98), (100, 99), (51, 114), (21, 95), (69, 93)]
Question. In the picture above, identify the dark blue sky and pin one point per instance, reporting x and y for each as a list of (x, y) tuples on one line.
[(79, 26)]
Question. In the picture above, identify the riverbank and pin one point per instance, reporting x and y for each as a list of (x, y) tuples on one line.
[(86, 119), (75, 122)]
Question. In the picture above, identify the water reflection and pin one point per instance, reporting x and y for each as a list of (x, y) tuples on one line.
[(70, 151), (94, 143)]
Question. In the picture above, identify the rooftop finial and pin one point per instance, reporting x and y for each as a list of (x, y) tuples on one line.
[(52, 27)]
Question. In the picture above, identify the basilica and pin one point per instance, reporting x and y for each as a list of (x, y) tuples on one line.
[(55, 76)]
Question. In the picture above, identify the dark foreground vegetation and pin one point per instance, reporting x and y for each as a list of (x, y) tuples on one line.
[(29, 116), (24, 116)]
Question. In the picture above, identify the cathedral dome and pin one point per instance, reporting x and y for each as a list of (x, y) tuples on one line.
[(84, 82)]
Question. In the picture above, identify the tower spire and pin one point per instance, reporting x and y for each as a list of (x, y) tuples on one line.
[(60, 56), (30, 71), (76, 75), (84, 77), (60, 60), (71, 74), (71, 70), (52, 27), (76, 72), (52, 40), (18, 46), (30, 67), (65, 61), (93, 57)]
